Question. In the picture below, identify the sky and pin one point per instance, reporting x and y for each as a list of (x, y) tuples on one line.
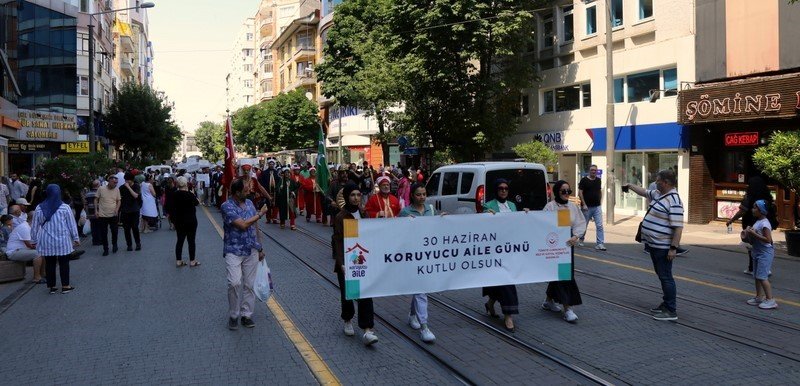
[(192, 40)]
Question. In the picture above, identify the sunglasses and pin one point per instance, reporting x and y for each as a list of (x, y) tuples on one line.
[(566, 191), (503, 188)]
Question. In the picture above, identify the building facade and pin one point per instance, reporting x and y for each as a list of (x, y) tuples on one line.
[(653, 51), (240, 80), (265, 32), (747, 87), (104, 69)]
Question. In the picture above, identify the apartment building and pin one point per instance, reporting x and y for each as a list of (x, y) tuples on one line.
[(240, 80), (134, 50), (264, 24), (295, 52), (653, 53)]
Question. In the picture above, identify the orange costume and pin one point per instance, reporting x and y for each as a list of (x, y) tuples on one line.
[(312, 198), (386, 205)]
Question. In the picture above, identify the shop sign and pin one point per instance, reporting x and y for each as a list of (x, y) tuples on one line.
[(741, 139), (79, 147), (554, 140), (758, 98), (24, 146), (47, 126)]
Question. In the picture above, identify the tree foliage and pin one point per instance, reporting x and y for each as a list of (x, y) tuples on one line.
[(210, 138), (139, 123), (73, 173), (780, 159), (536, 151), (289, 121)]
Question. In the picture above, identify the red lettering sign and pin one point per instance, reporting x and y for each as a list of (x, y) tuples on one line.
[(741, 139)]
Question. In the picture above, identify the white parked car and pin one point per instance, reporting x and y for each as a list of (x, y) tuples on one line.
[(464, 188)]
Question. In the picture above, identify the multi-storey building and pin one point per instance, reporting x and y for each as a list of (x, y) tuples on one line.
[(104, 70), (295, 53), (10, 92), (265, 33), (240, 79), (134, 50)]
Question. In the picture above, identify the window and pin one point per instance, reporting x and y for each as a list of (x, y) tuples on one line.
[(645, 9), (450, 184), (525, 102), (83, 86), (671, 82), (268, 67), (433, 185), (466, 183), (249, 37), (619, 90), (247, 52), (247, 68), (547, 30), (586, 95), (305, 68), (639, 85), (304, 42), (568, 98), (549, 105), (567, 25), (616, 13), (248, 83), (591, 20), (85, 6), (83, 44)]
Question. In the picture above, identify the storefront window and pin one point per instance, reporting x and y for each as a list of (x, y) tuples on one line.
[(640, 169)]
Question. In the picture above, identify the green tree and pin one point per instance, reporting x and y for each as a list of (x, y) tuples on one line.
[(139, 123), (289, 121), (244, 123), (210, 138), (464, 67), (357, 69), (780, 159), (536, 151)]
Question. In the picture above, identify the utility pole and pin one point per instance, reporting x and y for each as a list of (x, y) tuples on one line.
[(610, 134), (92, 146), (341, 155)]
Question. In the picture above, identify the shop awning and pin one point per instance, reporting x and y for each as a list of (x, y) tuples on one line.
[(670, 135)]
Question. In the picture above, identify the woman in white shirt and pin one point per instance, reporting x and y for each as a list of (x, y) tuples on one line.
[(563, 295)]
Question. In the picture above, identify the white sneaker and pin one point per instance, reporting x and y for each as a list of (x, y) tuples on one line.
[(600, 247), (426, 335), (552, 306), (768, 304), (369, 338), (580, 243), (348, 328), (413, 321), (754, 301), (570, 316), (747, 272)]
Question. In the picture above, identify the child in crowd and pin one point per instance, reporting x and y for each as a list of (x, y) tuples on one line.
[(760, 236)]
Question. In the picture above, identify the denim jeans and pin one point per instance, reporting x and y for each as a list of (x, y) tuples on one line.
[(663, 269), (596, 213)]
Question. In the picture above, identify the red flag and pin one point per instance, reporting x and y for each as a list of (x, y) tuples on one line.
[(229, 170)]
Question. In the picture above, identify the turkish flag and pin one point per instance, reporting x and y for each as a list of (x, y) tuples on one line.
[(229, 170)]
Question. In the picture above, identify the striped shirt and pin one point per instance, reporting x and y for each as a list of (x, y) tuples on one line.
[(55, 237), (664, 216)]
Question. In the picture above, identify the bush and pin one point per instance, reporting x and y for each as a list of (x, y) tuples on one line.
[(73, 173), (536, 151), (780, 159)]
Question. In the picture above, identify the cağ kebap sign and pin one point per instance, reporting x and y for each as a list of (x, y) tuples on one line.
[(397, 256)]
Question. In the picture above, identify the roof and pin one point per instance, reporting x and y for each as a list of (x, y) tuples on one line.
[(312, 19)]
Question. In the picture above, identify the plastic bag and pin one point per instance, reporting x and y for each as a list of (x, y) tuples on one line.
[(263, 285), (87, 228)]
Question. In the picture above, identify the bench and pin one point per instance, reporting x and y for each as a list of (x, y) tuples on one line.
[(11, 270)]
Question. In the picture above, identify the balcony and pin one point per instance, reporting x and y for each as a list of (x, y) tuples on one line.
[(306, 79), (304, 53), (125, 43), (265, 28), (126, 67)]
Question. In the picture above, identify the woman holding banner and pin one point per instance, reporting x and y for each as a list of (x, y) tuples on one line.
[(505, 294), (418, 318), (366, 317), (565, 292)]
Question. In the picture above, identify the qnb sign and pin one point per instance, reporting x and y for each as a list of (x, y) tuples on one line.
[(553, 139), (773, 97)]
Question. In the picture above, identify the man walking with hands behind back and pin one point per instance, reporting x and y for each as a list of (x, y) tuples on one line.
[(107, 202), (242, 251), (590, 193), (662, 228)]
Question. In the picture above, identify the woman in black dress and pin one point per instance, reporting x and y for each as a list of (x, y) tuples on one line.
[(183, 216)]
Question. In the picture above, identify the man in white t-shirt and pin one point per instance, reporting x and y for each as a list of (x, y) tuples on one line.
[(120, 176), (21, 248)]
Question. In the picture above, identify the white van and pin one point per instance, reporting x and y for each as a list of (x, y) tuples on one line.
[(162, 168), (464, 188)]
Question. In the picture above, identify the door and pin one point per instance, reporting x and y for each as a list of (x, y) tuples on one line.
[(786, 201), (432, 189), (448, 194), (568, 169)]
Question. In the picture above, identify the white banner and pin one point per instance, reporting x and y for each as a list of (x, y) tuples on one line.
[(398, 256)]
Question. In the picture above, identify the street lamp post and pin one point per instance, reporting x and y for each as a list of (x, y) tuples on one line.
[(610, 134), (92, 140)]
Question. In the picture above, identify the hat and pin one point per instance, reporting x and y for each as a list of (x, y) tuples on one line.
[(247, 167), (22, 201), (313, 169), (271, 161), (382, 179), (285, 169)]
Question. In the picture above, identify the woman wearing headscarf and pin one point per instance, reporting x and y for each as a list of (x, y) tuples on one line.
[(565, 292), (757, 189), (286, 196), (351, 210), (184, 217), (55, 234), (506, 295)]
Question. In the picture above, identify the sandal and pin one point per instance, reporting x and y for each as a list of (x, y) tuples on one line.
[(180, 263), (194, 264)]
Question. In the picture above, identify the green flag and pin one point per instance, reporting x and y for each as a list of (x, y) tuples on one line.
[(323, 174)]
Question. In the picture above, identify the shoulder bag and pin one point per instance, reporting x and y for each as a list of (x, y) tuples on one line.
[(638, 237)]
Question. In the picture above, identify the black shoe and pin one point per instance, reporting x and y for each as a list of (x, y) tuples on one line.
[(665, 315), (130, 248), (105, 252), (233, 324), (114, 249), (247, 322), (658, 309), (52, 290), (138, 247), (66, 290)]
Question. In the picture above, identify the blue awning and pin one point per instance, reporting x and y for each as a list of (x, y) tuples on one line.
[(670, 135)]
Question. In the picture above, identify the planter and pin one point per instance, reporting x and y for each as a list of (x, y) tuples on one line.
[(793, 243)]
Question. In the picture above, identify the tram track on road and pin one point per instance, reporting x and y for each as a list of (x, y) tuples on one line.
[(458, 311)]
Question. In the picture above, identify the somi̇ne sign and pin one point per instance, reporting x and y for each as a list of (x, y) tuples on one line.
[(396, 256)]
